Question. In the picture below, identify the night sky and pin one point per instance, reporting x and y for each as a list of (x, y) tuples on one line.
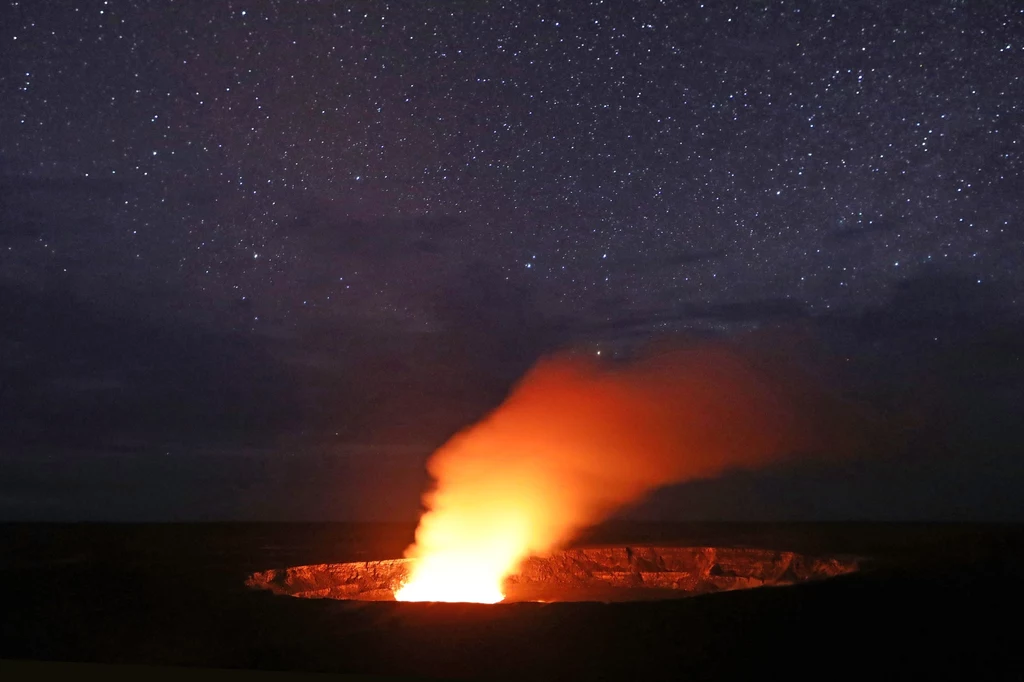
[(258, 259)]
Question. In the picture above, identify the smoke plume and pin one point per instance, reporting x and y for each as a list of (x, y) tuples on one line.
[(578, 439)]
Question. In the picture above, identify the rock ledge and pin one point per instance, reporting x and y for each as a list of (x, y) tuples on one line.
[(591, 574)]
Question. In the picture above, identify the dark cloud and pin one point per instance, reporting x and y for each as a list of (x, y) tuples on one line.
[(943, 361), (864, 229), (757, 311), (691, 257), (20, 229), (209, 485), (11, 185), (494, 318), (76, 374), (141, 399), (677, 317)]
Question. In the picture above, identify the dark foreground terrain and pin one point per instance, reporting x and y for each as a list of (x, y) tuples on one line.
[(934, 601)]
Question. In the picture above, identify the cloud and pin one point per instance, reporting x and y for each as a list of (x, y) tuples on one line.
[(21, 184), (692, 257), (757, 310), (943, 360), (77, 374), (879, 225)]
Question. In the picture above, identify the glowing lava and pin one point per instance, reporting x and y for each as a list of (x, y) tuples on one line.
[(449, 579), (470, 553)]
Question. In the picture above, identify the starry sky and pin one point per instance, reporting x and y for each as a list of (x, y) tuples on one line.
[(233, 234)]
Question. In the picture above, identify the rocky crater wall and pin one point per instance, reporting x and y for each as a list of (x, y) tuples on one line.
[(599, 574)]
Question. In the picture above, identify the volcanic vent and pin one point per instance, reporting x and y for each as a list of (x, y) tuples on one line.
[(594, 574)]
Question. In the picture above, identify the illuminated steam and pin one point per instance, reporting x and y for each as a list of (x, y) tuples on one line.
[(576, 440)]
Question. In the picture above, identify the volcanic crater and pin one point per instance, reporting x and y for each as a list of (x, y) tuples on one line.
[(621, 573)]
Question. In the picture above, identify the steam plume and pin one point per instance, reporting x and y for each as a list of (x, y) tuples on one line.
[(576, 440)]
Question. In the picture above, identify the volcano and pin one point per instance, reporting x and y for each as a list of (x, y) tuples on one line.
[(620, 573)]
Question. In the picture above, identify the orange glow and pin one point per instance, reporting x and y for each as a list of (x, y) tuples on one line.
[(449, 577), (574, 442)]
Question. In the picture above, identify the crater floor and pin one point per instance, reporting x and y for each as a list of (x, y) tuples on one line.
[(590, 574)]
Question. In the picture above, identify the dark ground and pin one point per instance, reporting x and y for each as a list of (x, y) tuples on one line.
[(938, 601)]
